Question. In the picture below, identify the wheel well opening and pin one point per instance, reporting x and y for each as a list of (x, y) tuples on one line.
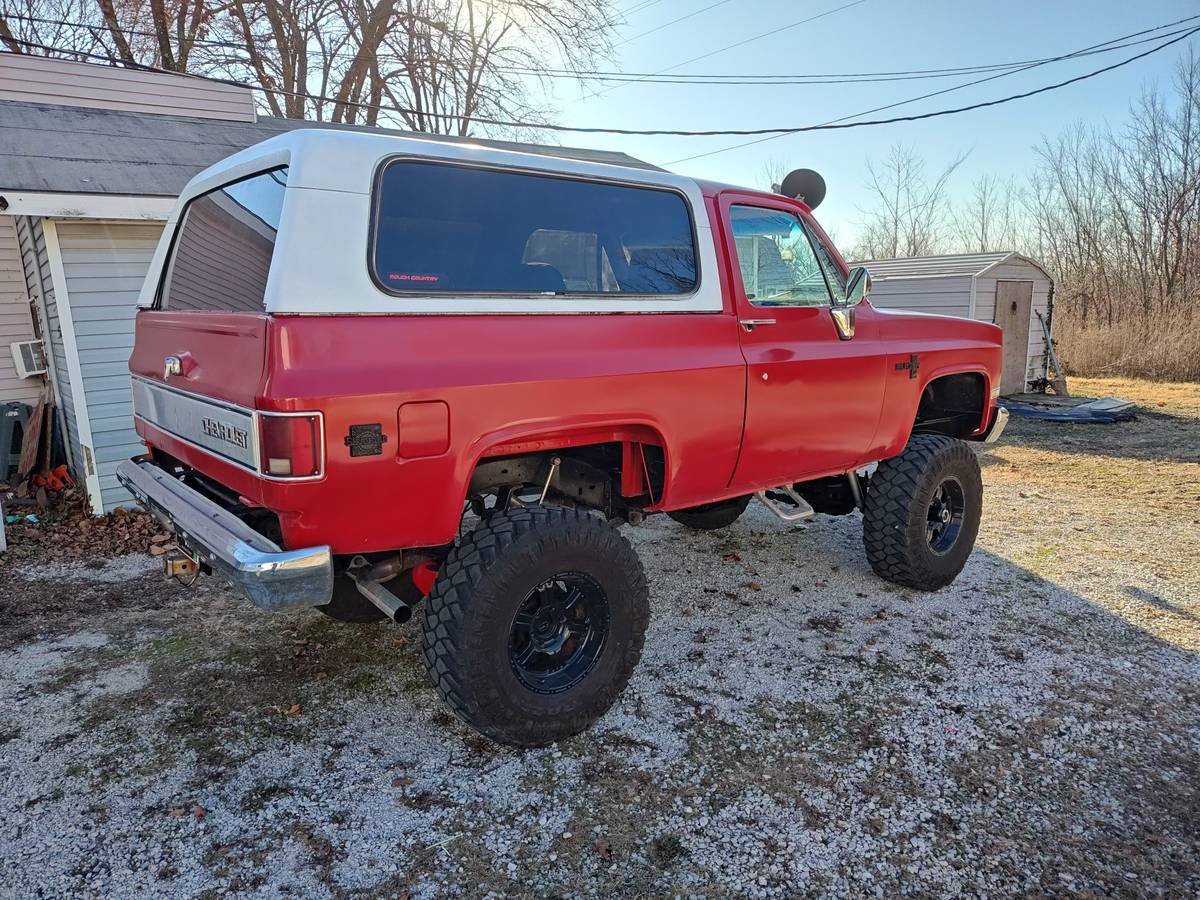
[(614, 477), (952, 405)]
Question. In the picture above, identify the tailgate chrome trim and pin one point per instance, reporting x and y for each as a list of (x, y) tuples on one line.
[(199, 421), (148, 405), (270, 577)]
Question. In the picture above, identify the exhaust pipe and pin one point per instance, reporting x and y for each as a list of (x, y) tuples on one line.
[(369, 581)]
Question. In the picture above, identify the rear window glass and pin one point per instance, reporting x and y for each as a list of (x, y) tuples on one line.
[(455, 229), (223, 247)]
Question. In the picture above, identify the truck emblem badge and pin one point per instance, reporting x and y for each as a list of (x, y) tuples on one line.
[(911, 366), (222, 431), (365, 440), (172, 365)]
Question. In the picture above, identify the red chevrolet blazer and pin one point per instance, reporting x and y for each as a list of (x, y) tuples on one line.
[(373, 372)]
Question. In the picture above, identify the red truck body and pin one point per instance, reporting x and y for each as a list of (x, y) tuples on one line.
[(734, 411), (534, 350)]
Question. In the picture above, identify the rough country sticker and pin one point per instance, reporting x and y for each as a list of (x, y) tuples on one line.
[(413, 277), (365, 440), (230, 434)]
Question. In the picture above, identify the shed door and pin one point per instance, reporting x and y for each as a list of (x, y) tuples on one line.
[(1014, 301)]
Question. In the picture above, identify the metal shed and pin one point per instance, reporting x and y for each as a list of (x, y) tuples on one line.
[(93, 160), (1006, 288)]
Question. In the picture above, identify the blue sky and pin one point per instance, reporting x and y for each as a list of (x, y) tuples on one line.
[(872, 36)]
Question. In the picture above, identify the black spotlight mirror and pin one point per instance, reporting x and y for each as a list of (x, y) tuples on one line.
[(804, 185)]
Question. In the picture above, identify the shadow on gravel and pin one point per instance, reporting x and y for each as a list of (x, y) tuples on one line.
[(797, 726)]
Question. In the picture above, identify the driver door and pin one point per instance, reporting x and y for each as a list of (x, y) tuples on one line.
[(813, 399)]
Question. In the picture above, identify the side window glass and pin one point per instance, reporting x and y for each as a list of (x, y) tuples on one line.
[(778, 264), (451, 229), (834, 275), (223, 248)]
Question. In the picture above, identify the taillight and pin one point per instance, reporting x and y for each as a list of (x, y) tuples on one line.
[(289, 445)]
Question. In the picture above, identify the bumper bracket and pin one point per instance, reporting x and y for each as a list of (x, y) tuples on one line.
[(270, 577)]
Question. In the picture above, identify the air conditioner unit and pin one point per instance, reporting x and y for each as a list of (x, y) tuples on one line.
[(29, 357)]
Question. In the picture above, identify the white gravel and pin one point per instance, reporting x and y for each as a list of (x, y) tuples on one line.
[(113, 570), (796, 727)]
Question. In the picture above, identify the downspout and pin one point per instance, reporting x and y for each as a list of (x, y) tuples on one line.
[(971, 304)]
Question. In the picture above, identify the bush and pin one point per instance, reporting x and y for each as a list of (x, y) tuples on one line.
[(1162, 347)]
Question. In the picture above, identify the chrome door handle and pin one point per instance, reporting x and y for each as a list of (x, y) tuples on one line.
[(751, 324)]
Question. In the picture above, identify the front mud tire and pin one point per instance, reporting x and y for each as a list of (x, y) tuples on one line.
[(472, 633), (935, 480), (712, 516)]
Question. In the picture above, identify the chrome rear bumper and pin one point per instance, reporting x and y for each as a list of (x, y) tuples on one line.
[(271, 578), (999, 421)]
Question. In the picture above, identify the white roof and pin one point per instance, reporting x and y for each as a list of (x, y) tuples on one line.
[(319, 265), (949, 265)]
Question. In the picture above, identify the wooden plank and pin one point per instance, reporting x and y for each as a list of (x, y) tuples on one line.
[(31, 440), (1014, 300)]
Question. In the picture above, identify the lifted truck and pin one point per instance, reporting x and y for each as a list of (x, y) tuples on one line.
[(374, 371)]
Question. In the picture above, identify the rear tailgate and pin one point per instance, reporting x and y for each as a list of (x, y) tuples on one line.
[(208, 405)]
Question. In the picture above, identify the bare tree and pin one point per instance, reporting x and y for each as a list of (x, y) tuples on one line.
[(427, 65), (989, 219), (160, 33), (773, 172), (912, 215)]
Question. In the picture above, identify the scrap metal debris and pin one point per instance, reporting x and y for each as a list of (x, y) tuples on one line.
[(1071, 410)]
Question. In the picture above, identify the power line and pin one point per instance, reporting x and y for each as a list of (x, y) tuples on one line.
[(840, 124), (742, 43), (837, 124), (638, 7), (818, 78), (672, 22), (751, 80)]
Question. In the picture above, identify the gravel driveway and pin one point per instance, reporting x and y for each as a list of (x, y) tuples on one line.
[(796, 727)]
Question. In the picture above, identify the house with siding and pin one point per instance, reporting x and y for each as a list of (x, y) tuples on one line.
[(93, 158), (16, 320)]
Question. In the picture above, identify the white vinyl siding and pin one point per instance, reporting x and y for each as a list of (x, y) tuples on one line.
[(104, 266), (16, 317), (985, 308), (36, 263), (949, 296), (36, 79)]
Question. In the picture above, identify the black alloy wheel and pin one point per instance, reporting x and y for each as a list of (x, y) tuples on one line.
[(559, 632), (945, 515)]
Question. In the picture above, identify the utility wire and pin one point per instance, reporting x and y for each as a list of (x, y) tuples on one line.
[(740, 43), (638, 7), (819, 78), (690, 15), (837, 124), (841, 123), (748, 80)]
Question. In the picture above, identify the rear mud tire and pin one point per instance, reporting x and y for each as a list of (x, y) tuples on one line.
[(712, 516), (902, 503), (349, 605), (472, 613)]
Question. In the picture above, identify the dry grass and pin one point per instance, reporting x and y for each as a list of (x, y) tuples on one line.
[(1111, 510), (1164, 348)]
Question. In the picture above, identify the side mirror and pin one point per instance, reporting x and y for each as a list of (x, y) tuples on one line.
[(858, 288)]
